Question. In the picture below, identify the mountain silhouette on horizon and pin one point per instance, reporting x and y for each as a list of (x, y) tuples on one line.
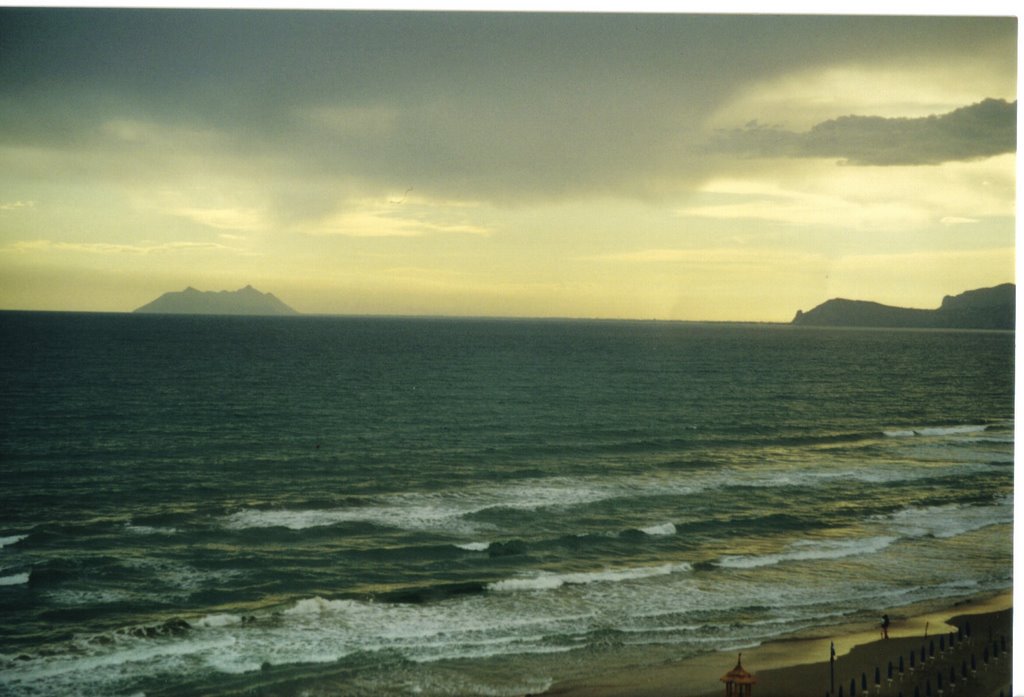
[(983, 308), (244, 301)]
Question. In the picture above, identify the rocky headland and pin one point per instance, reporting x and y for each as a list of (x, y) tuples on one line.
[(984, 308)]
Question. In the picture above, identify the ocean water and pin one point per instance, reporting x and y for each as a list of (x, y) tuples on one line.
[(386, 506)]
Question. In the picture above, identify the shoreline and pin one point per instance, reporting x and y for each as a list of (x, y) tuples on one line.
[(798, 666)]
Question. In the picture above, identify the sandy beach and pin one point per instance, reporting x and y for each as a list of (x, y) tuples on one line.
[(799, 667)]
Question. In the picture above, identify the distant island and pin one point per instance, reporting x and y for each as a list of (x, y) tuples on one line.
[(984, 308), (244, 301)]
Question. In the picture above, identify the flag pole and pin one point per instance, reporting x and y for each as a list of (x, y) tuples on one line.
[(832, 668)]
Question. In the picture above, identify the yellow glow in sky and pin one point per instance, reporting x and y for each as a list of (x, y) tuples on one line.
[(676, 167)]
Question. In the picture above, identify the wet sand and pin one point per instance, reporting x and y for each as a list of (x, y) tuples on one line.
[(799, 667)]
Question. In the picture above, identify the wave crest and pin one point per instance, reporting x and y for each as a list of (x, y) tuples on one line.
[(319, 606), (550, 581), (14, 579), (809, 550), (935, 431), (11, 540), (663, 529)]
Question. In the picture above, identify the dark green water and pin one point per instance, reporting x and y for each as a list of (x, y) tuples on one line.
[(425, 506)]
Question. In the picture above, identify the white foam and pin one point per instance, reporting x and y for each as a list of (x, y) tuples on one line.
[(232, 665), (541, 582), (79, 598), (663, 529), (550, 581), (293, 520), (14, 579), (11, 540), (555, 493), (448, 511), (463, 512), (809, 550), (218, 620), (408, 517), (474, 546), (949, 520), (311, 630), (448, 684), (317, 606), (149, 530), (182, 579), (316, 629), (526, 686), (950, 430), (90, 668), (935, 431)]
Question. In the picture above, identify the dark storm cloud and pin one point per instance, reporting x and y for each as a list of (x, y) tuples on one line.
[(496, 106), (972, 132)]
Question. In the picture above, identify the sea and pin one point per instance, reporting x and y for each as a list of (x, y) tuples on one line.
[(391, 506)]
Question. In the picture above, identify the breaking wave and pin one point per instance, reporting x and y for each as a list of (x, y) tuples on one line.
[(11, 540), (551, 581), (14, 579), (809, 550)]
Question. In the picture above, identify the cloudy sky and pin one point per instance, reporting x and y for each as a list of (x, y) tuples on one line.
[(680, 166)]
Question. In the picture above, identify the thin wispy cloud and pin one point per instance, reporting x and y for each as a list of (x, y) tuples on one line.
[(16, 205), (112, 248), (224, 218), (954, 220), (383, 223), (730, 256)]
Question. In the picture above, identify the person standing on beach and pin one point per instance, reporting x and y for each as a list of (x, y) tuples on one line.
[(885, 626)]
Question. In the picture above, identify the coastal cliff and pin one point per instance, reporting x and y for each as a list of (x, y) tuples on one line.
[(244, 301), (984, 308)]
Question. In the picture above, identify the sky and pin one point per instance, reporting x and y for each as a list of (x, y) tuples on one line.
[(684, 166)]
